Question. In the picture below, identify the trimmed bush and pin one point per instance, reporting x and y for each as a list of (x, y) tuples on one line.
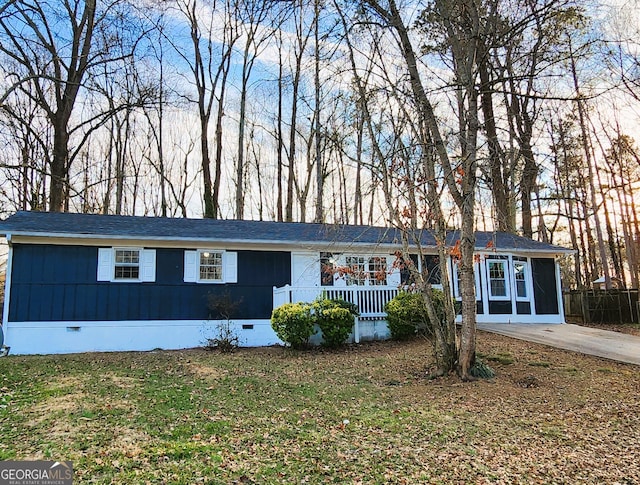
[(407, 315), (293, 324), (335, 318)]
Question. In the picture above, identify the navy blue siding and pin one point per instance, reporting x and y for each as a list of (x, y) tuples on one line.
[(59, 283)]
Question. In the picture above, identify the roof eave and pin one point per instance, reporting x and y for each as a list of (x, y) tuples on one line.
[(259, 242), (236, 242)]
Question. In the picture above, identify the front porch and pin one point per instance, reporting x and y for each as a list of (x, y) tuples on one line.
[(370, 301)]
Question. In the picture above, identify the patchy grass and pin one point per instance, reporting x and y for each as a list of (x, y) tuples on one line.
[(503, 358), (366, 414)]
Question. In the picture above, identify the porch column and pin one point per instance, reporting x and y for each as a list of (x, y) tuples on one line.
[(356, 330)]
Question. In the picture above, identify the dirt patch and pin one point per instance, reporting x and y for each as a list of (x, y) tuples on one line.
[(203, 371), (68, 401), (127, 441), (124, 382)]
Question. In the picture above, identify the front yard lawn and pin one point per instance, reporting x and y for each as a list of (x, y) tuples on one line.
[(365, 414)]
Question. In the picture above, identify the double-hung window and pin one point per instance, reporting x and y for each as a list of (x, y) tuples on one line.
[(498, 279), (210, 266), (126, 265)]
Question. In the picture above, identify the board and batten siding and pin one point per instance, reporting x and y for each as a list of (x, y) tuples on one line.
[(59, 283)]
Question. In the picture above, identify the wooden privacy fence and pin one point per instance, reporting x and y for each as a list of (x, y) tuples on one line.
[(603, 306)]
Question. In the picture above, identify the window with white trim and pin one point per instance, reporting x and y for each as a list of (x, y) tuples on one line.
[(457, 287), (521, 277), (355, 274), (498, 283), (210, 266), (377, 271), (356, 270), (457, 292), (126, 265)]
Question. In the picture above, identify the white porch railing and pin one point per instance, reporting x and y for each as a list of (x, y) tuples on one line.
[(370, 300)]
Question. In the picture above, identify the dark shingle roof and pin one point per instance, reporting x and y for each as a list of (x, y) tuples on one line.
[(175, 229)]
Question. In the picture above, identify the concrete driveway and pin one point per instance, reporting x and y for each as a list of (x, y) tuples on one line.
[(591, 341)]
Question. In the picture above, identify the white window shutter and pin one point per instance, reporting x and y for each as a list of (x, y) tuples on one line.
[(148, 264), (190, 266), (230, 267), (105, 264)]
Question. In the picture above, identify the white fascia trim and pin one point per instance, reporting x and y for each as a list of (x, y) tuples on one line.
[(529, 253)]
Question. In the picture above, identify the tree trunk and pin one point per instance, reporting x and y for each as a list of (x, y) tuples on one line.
[(280, 137), (499, 188), (59, 163), (319, 216), (208, 196), (527, 185), (240, 162), (291, 174)]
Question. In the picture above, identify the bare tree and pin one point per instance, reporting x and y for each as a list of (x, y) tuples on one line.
[(623, 163), (55, 47), (570, 194), (461, 32), (302, 37), (252, 15), (209, 62), (24, 156)]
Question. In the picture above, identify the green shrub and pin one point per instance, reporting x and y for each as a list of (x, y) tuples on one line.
[(293, 324), (407, 314), (335, 318)]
